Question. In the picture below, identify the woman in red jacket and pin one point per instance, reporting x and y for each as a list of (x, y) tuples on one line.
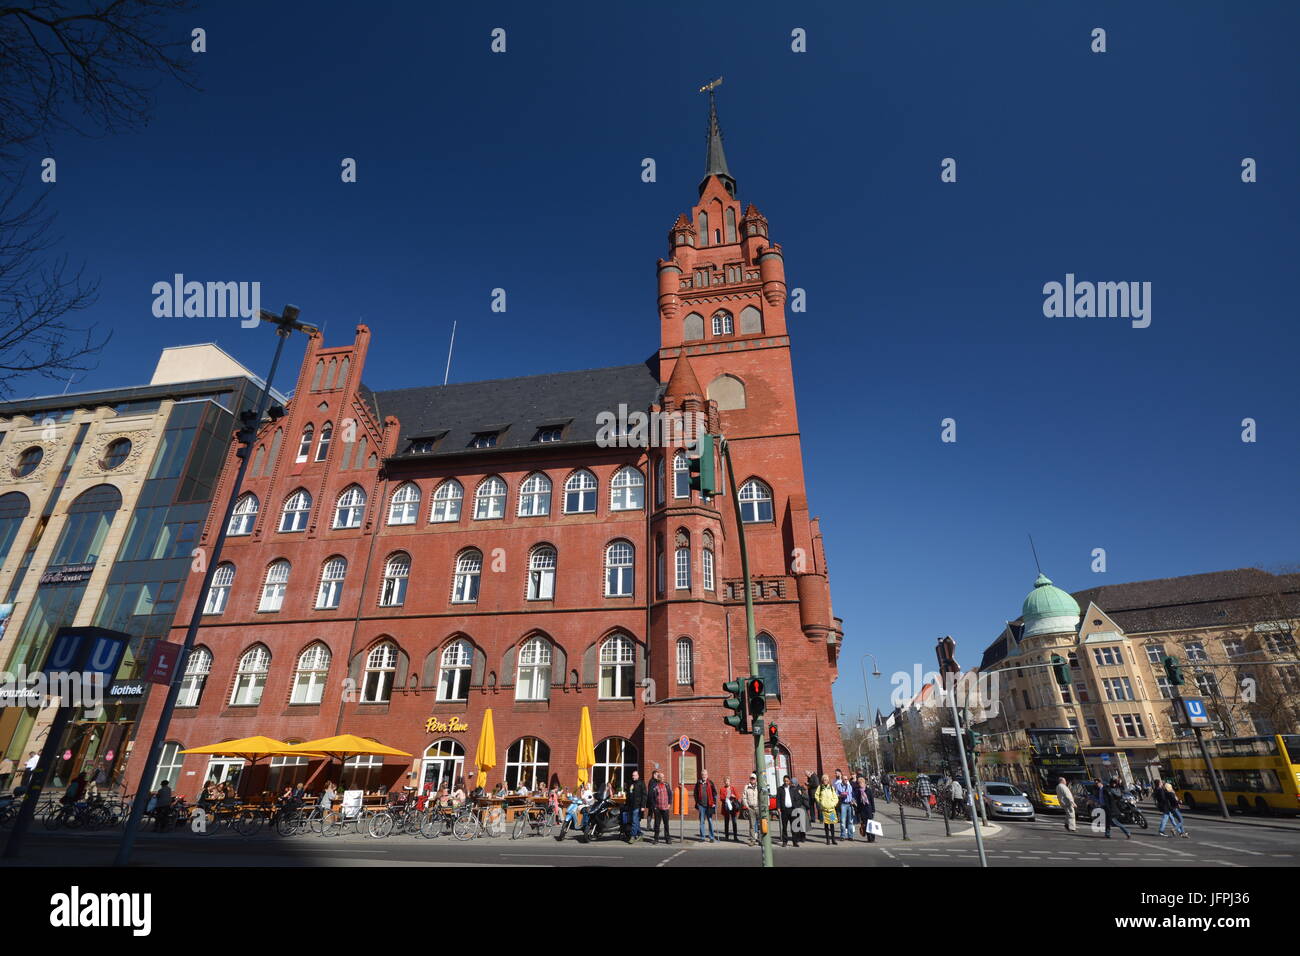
[(729, 801)]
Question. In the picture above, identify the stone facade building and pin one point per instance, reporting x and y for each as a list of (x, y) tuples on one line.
[(403, 560)]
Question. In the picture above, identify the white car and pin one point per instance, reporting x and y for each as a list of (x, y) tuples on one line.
[(1006, 801)]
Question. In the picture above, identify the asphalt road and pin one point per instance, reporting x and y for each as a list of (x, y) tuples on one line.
[(1044, 842)]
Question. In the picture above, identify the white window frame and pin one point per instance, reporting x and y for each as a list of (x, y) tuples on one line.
[(219, 594), (466, 580), (622, 574), (275, 586), (323, 443), (350, 509), (490, 499), (582, 484), (1155, 654), (542, 564), (753, 494), (404, 508), (682, 565), (310, 673), (330, 592), (617, 667), (447, 501), (627, 489), (297, 505), (685, 662), (723, 323), (706, 567), (250, 677), (455, 669), (244, 517), (681, 475), (534, 496), (533, 676), (380, 673), (304, 444), (397, 573), (197, 668)]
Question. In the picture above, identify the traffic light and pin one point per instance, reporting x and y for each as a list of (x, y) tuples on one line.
[(703, 474), (972, 741), (755, 702), (1061, 670), (772, 740), (735, 703), (1174, 670)]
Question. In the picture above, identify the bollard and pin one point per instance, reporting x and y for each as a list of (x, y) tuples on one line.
[(947, 827), (902, 820)]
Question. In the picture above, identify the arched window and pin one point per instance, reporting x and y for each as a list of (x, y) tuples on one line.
[(682, 562), (661, 482), (627, 490), (323, 446), (469, 567), (351, 508), (490, 499), (219, 593), (397, 571), (250, 678), (197, 668), (316, 375), (702, 227), (89, 517), (617, 667), (534, 679), (244, 516), (296, 511), (405, 506), (685, 661), (730, 218), (457, 661), (331, 583), (528, 762), (309, 676), (443, 765), (751, 321), (767, 668), (620, 574), (381, 667), (681, 476), (706, 558), (446, 501), (616, 758), (693, 327), (541, 574), (169, 764), (722, 323), (580, 493), (755, 502), (277, 583), (535, 496), (304, 446)]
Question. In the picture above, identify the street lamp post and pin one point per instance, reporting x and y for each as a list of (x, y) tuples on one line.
[(285, 324), (875, 672)]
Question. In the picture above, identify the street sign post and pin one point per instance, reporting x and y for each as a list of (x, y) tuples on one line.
[(1197, 714)]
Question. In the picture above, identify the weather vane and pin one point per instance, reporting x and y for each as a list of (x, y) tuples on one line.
[(710, 87)]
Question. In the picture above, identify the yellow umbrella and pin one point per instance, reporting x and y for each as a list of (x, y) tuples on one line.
[(586, 748), (250, 748), (344, 746), (485, 757)]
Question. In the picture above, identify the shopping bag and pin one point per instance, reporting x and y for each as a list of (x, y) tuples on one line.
[(874, 828)]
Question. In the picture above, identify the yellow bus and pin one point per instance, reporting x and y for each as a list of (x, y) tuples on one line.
[(1034, 760), (1257, 774)]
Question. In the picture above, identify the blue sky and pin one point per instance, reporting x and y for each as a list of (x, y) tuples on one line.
[(522, 170)]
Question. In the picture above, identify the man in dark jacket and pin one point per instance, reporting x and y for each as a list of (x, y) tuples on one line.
[(865, 806), (706, 802), (815, 812), (1113, 805), (789, 801), (636, 800)]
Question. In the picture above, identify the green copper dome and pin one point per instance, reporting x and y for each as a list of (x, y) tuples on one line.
[(1048, 609)]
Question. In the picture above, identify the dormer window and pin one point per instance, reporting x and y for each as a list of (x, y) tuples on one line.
[(549, 433), (484, 440)]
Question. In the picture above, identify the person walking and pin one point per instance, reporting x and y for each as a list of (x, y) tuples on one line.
[(1168, 805), (864, 805), (162, 813), (706, 802), (844, 790), (661, 801), (925, 790), (1113, 805), (729, 800), (29, 768), (632, 807), (884, 785), (749, 803), (827, 799), (1065, 796)]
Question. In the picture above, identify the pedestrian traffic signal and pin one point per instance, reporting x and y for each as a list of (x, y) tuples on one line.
[(1061, 670), (703, 473), (755, 701), (735, 703), (771, 737), (1174, 670)]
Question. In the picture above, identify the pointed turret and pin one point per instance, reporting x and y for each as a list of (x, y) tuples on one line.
[(715, 160), (683, 383)]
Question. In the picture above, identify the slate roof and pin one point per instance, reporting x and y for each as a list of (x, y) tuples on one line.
[(514, 407), (1191, 601)]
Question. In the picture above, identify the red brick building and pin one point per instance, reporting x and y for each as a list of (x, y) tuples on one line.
[(403, 560)]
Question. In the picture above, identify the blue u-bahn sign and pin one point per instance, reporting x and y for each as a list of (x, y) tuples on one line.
[(1197, 714)]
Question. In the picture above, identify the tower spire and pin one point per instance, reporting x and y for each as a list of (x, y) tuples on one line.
[(715, 160)]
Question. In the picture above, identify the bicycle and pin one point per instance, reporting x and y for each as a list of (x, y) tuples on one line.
[(481, 821), (537, 818), (235, 817), (440, 821)]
